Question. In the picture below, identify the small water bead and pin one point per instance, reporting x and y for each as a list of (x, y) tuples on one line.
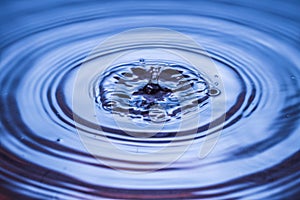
[(213, 92), (152, 91)]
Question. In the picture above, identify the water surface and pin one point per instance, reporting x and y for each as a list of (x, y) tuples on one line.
[(255, 48)]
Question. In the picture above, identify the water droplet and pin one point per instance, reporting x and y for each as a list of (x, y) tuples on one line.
[(213, 92)]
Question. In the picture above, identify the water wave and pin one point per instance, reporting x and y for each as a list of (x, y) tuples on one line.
[(255, 48)]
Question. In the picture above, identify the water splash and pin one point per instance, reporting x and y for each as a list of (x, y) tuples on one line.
[(150, 91)]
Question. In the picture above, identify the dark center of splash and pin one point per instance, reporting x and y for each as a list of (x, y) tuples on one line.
[(153, 90), (156, 92)]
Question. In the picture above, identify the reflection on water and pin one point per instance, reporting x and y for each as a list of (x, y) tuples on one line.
[(255, 47)]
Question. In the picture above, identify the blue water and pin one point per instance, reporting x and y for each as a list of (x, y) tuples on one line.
[(51, 147)]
